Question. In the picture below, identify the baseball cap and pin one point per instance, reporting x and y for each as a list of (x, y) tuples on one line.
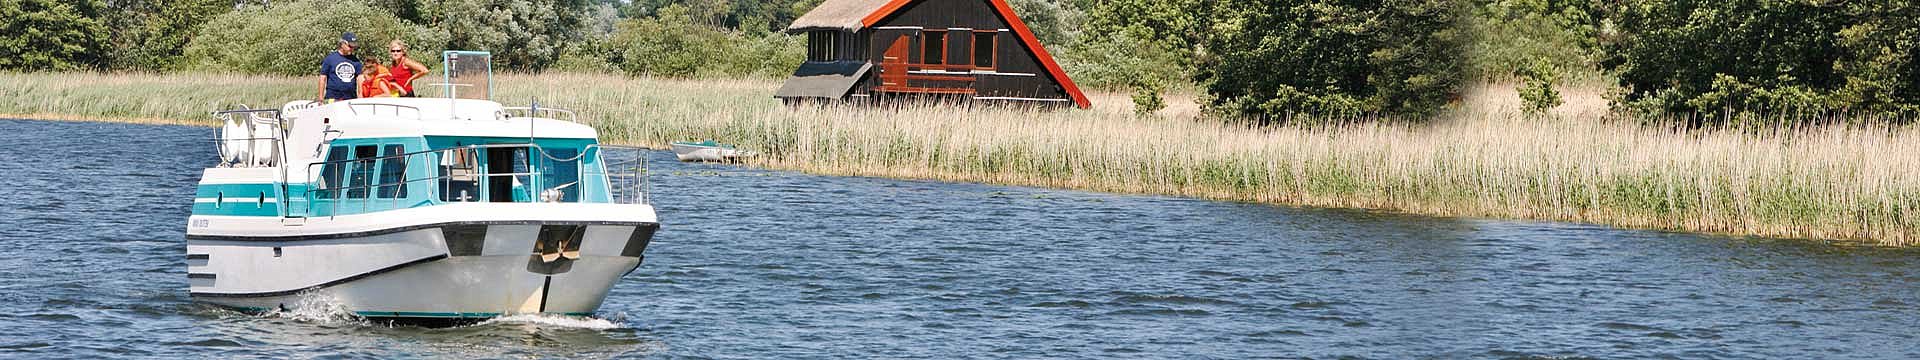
[(347, 37)]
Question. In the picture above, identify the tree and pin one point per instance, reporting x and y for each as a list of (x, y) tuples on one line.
[(149, 35), (1736, 62), (286, 38), (51, 35), (524, 35), (1879, 58), (1335, 57)]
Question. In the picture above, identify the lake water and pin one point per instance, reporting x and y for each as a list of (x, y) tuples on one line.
[(766, 264)]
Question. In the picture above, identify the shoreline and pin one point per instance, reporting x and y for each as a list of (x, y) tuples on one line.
[(1838, 184)]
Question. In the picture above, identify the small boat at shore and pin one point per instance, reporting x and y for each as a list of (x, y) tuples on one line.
[(417, 209), (707, 151)]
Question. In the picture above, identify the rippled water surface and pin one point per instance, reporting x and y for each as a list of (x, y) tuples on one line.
[(764, 264)]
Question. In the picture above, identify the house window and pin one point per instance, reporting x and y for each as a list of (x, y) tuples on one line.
[(935, 44), (820, 46), (983, 49)]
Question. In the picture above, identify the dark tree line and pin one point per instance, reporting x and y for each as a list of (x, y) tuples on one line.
[(1716, 61)]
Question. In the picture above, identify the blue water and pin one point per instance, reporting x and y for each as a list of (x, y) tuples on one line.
[(763, 264)]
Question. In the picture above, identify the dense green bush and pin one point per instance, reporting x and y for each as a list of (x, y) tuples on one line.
[(674, 45), (51, 34), (1537, 93), (1735, 61), (1336, 57), (1511, 36), (523, 35), (286, 38), (150, 35)]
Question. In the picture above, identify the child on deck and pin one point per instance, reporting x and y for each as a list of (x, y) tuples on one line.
[(379, 82)]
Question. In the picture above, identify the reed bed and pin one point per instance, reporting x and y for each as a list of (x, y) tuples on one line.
[(1484, 159)]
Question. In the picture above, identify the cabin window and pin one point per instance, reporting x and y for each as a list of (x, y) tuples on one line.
[(983, 50), (332, 172), (561, 177), (934, 43), (361, 170), (393, 172)]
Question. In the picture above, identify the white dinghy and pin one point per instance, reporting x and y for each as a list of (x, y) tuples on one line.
[(707, 151)]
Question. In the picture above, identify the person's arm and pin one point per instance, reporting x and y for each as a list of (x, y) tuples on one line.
[(323, 81), (419, 71)]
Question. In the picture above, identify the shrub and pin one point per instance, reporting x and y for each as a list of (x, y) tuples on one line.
[(289, 39), (1280, 57), (672, 45), (1536, 91), (1146, 97), (50, 34), (1728, 62)]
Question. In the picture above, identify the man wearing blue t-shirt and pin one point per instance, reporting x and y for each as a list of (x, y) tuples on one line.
[(340, 71)]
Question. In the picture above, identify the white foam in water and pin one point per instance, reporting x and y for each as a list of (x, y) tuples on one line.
[(554, 320), (317, 308)]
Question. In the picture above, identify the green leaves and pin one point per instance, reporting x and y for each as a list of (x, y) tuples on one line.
[(289, 39), (1734, 61), (50, 35), (1337, 58)]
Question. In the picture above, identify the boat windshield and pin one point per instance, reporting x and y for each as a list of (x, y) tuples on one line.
[(468, 75)]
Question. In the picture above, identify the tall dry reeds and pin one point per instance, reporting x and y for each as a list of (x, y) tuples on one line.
[(1484, 159)]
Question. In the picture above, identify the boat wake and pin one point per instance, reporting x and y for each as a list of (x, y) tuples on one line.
[(555, 321), (317, 309)]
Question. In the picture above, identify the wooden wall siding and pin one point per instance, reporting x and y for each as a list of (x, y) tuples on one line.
[(1012, 56)]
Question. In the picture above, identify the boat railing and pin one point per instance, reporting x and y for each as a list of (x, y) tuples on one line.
[(242, 144), (541, 111), (375, 109), (362, 184)]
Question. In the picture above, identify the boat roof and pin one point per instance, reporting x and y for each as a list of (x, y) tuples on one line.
[(415, 117)]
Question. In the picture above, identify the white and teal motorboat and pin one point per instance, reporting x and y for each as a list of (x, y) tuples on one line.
[(446, 208)]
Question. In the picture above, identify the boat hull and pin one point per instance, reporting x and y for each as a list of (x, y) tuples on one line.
[(447, 269)]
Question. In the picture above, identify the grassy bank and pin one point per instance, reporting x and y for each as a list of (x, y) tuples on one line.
[(1484, 159)]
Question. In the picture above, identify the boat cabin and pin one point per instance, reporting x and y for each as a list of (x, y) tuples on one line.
[(976, 50), (378, 154)]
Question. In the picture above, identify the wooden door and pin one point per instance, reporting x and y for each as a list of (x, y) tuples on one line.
[(893, 64)]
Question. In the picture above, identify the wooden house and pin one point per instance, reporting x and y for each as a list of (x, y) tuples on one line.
[(971, 49)]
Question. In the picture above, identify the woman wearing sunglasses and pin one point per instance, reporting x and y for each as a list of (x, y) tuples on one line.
[(404, 70)]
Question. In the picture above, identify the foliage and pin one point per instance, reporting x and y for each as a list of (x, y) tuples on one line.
[(1282, 57), (1727, 61), (1537, 95), (748, 16), (1118, 61), (50, 34), (1111, 43), (1880, 62), (675, 44), (524, 35), (1146, 97), (1509, 36), (150, 35), (286, 38)]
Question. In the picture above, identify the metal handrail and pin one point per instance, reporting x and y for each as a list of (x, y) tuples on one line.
[(531, 111), (417, 114)]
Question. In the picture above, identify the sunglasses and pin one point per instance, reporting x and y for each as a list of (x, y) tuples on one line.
[(396, 51)]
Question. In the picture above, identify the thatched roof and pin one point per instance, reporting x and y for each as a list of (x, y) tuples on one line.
[(848, 15)]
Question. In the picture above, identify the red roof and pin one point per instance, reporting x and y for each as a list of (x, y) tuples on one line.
[(1019, 29)]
